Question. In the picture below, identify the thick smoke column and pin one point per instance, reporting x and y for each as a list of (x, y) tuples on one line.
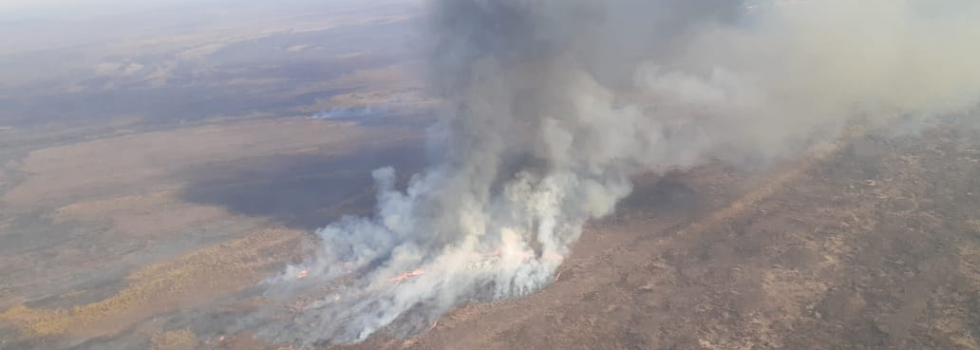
[(553, 104)]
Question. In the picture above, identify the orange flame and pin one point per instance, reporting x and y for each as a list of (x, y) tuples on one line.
[(406, 275)]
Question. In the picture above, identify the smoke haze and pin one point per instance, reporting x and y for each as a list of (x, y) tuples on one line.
[(551, 106)]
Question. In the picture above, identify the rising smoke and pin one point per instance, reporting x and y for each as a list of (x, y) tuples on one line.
[(350, 113), (551, 106)]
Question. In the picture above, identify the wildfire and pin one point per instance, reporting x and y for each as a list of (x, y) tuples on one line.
[(553, 257), (497, 253), (303, 274), (406, 275)]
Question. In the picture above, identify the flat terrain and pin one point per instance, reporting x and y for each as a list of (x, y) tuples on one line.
[(149, 182), (872, 243), (149, 179), (105, 235)]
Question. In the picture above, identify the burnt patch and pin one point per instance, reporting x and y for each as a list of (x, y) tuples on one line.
[(301, 191)]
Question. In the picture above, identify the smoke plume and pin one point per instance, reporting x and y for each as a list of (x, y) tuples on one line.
[(551, 106)]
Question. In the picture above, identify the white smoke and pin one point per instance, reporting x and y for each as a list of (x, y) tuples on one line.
[(554, 104), (354, 112)]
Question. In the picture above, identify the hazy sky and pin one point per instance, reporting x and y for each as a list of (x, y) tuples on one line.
[(34, 9), (28, 10), (8, 6)]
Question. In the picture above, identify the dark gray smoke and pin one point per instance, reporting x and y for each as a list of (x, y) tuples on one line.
[(551, 106)]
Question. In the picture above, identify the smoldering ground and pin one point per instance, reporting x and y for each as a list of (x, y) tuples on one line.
[(551, 106)]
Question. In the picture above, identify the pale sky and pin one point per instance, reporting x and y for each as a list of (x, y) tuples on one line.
[(14, 10)]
